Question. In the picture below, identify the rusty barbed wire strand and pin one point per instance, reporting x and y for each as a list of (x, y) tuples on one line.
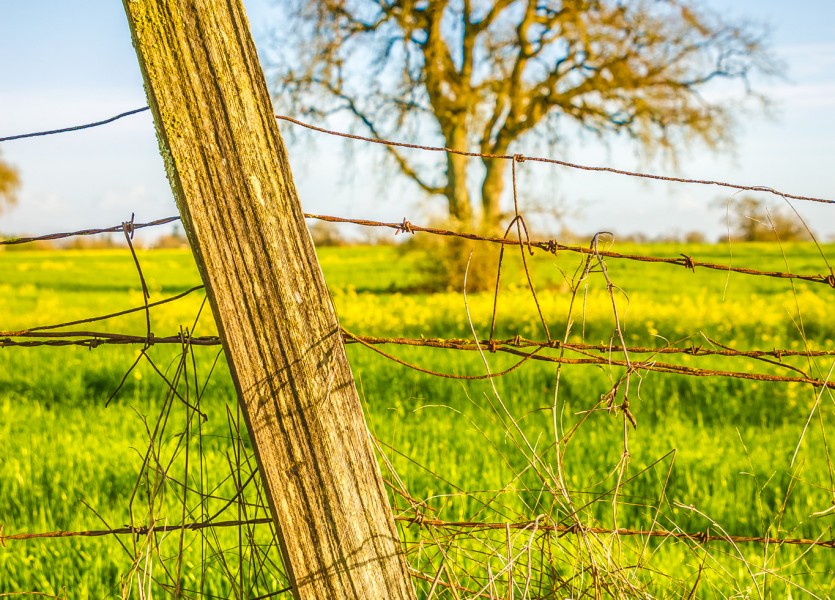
[(515, 346), (608, 361), (93, 340), (702, 537), (552, 247), (83, 232), (142, 530), (22, 136), (104, 338), (521, 342), (422, 521), (527, 356), (554, 161)]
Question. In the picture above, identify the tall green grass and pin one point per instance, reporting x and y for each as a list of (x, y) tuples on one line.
[(708, 453)]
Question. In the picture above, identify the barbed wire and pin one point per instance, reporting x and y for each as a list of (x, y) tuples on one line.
[(631, 366), (551, 246), (22, 136), (554, 161), (86, 232), (515, 157), (514, 346), (135, 531), (701, 537), (422, 521), (95, 339), (99, 338)]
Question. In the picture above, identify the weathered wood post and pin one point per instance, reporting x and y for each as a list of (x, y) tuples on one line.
[(229, 171)]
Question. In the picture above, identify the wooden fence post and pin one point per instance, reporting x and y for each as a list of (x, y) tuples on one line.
[(229, 171)]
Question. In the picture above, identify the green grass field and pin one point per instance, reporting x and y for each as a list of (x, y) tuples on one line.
[(710, 454)]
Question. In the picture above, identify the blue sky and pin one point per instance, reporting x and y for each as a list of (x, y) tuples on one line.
[(65, 63)]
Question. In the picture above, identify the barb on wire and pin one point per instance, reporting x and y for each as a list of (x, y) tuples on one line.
[(562, 163), (22, 136)]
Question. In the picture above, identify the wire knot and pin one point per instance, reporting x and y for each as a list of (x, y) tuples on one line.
[(552, 246), (128, 226), (419, 517), (492, 346), (689, 263), (831, 280), (574, 528), (405, 227), (520, 158)]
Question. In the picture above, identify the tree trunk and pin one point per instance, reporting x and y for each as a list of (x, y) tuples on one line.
[(491, 192), (230, 175), (457, 193)]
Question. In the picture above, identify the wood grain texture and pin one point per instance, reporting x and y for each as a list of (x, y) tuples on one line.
[(229, 171)]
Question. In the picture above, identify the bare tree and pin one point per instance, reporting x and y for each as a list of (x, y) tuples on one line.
[(9, 184), (480, 75)]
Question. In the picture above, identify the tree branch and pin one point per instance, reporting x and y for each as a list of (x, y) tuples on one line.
[(401, 161)]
